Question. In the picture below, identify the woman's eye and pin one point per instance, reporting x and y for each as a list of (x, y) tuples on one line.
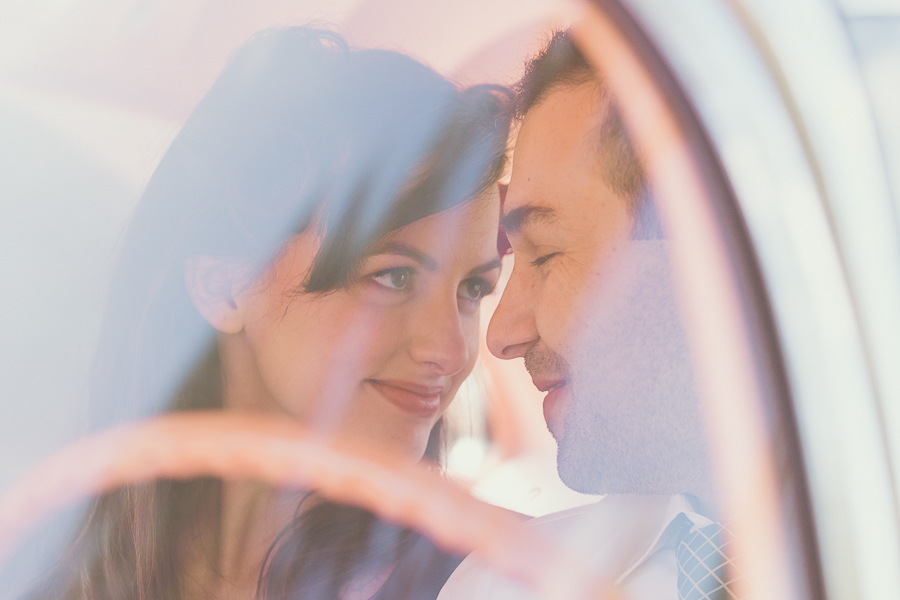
[(394, 279), (542, 259), (475, 288)]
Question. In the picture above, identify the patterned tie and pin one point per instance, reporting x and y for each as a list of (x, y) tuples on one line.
[(705, 570)]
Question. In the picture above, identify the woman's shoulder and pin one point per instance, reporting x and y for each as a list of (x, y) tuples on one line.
[(420, 573)]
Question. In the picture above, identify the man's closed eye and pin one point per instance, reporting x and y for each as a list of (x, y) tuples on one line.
[(543, 259)]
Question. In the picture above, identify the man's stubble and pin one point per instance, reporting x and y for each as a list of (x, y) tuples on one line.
[(633, 421)]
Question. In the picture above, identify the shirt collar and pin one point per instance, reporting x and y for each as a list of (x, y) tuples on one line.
[(678, 504)]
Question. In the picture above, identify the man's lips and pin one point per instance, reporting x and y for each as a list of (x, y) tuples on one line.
[(414, 398), (553, 401), (548, 385)]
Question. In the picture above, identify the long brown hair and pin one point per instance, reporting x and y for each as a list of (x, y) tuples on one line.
[(296, 123)]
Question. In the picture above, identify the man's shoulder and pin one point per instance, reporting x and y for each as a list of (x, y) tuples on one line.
[(474, 578), (611, 534)]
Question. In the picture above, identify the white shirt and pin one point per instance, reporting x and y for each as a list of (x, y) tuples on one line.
[(627, 538)]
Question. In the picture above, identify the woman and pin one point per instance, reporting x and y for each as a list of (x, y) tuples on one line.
[(320, 235)]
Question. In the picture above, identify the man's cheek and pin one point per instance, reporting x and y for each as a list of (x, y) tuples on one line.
[(570, 299), (556, 319)]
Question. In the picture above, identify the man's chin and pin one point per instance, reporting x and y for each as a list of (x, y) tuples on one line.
[(574, 477)]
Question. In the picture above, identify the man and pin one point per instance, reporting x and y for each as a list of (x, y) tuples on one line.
[(590, 307)]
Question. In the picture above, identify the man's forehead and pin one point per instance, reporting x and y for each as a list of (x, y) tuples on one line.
[(551, 151), (563, 122)]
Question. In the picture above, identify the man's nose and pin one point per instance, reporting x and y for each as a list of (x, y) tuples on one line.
[(440, 336), (512, 330)]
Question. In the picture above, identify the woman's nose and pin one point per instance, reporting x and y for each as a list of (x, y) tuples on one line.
[(512, 330), (441, 337)]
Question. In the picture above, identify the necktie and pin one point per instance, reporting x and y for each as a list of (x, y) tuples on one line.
[(705, 569)]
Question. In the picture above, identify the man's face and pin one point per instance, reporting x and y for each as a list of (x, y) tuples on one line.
[(561, 219), (590, 311)]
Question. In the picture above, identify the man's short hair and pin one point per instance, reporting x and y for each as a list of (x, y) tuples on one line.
[(561, 64)]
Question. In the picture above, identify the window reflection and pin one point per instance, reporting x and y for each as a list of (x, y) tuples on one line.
[(324, 244)]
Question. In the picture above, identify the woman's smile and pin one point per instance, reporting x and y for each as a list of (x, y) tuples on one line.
[(415, 398)]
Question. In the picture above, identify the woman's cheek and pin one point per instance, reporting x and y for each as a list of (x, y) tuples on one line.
[(472, 332)]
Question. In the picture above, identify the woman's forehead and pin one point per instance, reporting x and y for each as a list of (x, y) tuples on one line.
[(453, 230)]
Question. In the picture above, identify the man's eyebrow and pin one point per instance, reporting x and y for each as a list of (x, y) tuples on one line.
[(428, 263), (488, 266), (517, 219)]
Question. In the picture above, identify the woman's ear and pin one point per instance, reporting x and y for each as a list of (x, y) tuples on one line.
[(213, 284)]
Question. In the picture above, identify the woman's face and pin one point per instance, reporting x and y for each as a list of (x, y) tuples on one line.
[(376, 362)]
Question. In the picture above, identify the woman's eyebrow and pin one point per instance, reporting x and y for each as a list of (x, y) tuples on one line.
[(428, 263), (488, 266)]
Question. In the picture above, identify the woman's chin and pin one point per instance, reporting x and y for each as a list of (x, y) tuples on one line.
[(398, 443)]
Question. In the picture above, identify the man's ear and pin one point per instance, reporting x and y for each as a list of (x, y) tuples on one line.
[(214, 285)]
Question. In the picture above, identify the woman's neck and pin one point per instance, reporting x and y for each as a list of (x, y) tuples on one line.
[(243, 387), (253, 514)]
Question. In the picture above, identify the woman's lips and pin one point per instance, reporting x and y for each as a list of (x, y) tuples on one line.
[(417, 399)]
